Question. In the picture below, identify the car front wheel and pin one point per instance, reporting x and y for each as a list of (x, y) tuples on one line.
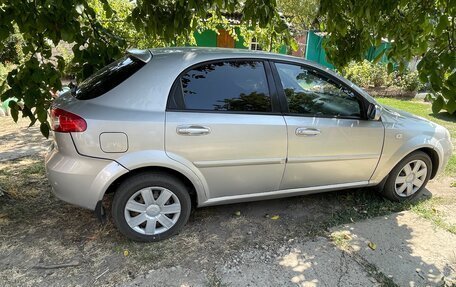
[(151, 206), (409, 177)]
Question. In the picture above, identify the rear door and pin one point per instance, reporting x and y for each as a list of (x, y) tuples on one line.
[(223, 117), (330, 141)]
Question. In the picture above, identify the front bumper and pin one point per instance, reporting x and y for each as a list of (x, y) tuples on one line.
[(77, 179), (446, 151)]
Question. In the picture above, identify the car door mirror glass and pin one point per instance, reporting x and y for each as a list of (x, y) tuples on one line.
[(374, 112)]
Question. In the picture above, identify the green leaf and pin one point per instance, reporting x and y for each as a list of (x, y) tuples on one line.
[(44, 128), (438, 104), (390, 67), (450, 106), (443, 24), (447, 93), (372, 245), (42, 114), (14, 112)]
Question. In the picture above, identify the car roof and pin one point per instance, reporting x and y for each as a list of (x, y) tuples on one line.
[(218, 53)]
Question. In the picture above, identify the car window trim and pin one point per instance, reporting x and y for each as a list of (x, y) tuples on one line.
[(175, 102), (325, 75)]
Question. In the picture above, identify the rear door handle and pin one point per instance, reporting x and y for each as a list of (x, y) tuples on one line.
[(307, 132), (192, 130)]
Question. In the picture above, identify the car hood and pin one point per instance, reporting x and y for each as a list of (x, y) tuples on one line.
[(393, 114)]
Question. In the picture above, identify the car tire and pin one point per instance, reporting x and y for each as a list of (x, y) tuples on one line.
[(151, 206), (408, 178)]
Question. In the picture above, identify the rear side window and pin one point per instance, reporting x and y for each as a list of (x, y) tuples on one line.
[(108, 78), (239, 85)]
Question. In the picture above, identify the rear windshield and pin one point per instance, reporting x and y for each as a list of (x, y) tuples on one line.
[(108, 78)]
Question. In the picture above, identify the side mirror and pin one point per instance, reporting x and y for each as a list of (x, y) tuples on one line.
[(374, 112)]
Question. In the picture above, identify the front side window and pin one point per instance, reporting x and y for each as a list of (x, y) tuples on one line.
[(227, 86), (309, 93)]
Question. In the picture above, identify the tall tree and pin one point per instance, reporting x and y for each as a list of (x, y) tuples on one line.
[(44, 23), (302, 14), (425, 28)]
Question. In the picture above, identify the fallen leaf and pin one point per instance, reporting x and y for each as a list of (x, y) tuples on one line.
[(126, 252), (275, 217), (372, 245), (237, 213), (347, 236)]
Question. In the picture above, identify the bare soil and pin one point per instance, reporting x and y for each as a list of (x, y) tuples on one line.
[(19, 140), (393, 92)]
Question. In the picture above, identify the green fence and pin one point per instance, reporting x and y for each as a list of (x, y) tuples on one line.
[(315, 51)]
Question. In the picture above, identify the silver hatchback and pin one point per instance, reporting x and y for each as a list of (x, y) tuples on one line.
[(171, 129)]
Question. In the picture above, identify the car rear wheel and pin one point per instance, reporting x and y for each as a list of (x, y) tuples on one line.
[(409, 177), (151, 206)]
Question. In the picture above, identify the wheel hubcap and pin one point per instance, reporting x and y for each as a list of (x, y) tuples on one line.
[(152, 210), (411, 178)]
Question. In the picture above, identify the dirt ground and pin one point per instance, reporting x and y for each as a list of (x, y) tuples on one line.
[(45, 242)]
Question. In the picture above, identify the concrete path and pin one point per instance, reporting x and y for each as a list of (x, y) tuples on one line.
[(408, 249), (311, 263)]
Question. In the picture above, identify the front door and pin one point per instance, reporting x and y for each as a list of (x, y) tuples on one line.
[(329, 140), (223, 121)]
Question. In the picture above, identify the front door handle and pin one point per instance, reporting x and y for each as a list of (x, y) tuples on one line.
[(307, 132), (192, 130)]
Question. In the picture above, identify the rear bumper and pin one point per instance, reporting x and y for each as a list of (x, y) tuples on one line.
[(77, 179)]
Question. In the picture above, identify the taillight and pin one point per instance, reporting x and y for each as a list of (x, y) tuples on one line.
[(66, 122)]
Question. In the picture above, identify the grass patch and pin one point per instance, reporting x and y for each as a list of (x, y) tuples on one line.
[(341, 239), (364, 204), (424, 110), (23, 178), (428, 210), (352, 206)]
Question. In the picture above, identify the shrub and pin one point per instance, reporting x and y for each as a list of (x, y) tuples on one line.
[(367, 74), (11, 48), (408, 81)]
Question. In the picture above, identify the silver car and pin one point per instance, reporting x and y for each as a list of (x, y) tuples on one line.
[(171, 129)]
